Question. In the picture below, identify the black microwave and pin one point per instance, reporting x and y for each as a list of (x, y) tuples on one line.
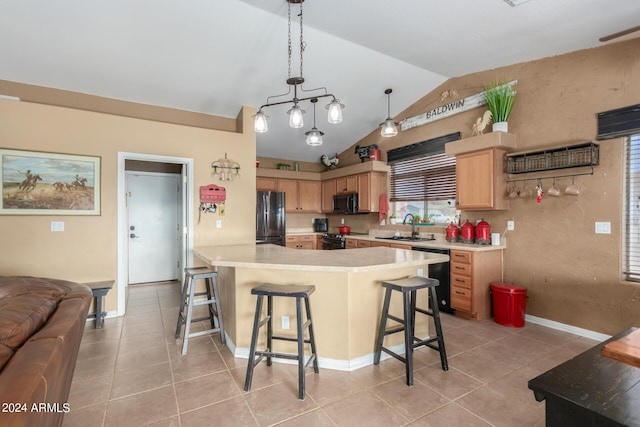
[(345, 203)]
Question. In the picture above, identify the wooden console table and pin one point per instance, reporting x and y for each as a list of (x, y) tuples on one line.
[(590, 390)]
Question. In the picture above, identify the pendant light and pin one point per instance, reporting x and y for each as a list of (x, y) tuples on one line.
[(389, 128), (314, 136), (296, 119)]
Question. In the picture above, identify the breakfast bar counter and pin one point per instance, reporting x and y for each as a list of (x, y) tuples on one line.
[(345, 306)]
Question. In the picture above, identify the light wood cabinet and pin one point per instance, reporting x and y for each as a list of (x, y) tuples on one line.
[(300, 196), (377, 244), (364, 244), (303, 241), (471, 276), (266, 184), (351, 244), (328, 191), (480, 181), (347, 184), (370, 186)]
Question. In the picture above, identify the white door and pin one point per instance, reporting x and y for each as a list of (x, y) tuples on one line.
[(153, 226)]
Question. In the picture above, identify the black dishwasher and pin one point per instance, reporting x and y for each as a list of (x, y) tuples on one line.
[(441, 272)]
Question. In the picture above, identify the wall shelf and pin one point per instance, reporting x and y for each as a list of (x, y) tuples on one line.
[(570, 156)]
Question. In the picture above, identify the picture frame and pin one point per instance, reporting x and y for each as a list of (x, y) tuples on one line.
[(43, 183)]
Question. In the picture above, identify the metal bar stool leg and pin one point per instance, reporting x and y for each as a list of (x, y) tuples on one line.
[(269, 328), (438, 325), (312, 339), (252, 349), (209, 283), (409, 314), (185, 286), (383, 326), (216, 295), (187, 324), (300, 348)]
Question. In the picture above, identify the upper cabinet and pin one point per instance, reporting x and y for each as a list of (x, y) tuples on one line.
[(328, 191), (347, 184), (300, 196), (480, 170), (480, 182), (370, 186), (266, 184)]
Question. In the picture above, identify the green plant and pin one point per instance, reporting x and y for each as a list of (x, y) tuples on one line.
[(500, 98), (416, 218)]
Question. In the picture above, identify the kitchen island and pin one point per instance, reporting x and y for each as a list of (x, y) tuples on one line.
[(345, 306)]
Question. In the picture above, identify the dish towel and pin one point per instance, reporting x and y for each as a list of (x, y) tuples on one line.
[(384, 207)]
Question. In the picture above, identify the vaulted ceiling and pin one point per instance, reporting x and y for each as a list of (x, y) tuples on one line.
[(214, 56)]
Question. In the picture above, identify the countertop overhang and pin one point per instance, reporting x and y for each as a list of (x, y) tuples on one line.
[(280, 258)]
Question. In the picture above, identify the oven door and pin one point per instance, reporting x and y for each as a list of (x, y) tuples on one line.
[(329, 245)]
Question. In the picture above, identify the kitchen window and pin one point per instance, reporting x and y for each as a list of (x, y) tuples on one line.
[(423, 181), (625, 122)]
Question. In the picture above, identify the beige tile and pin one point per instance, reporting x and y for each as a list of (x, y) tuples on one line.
[(492, 406), (451, 384), (138, 342), (141, 328), (196, 365), (411, 402), (98, 349), (230, 360), (167, 422), (515, 384), (145, 356), (278, 402), (545, 335), (142, 408), (460, 340), (230, 413), (206, 390), (143, 309), (263, 375), (328, 386), (140, 379), (372, 375), (363, 409), (90, 415), (196, 345), (450, 415), (315, 418), (96, 367), (98, 335), (136, 318), (142, 300), (89, 392)]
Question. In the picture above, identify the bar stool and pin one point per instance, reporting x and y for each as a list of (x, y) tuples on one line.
[(188, 302), (409, 287), (291, 291)]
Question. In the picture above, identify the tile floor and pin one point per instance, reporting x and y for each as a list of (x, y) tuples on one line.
[(131, 373)]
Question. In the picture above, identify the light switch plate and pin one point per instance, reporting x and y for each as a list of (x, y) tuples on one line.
[(285, 322), (219, 223), (57, 226), (603, 228), (511, 225)]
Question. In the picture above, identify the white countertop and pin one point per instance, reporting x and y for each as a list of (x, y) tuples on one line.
[(281, 258)]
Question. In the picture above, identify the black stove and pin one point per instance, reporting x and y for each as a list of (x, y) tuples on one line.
[(333, 241)]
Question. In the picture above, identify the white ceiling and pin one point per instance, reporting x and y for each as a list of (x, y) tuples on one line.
[(213, 56)]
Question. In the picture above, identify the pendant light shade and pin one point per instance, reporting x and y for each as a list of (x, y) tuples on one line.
[(260, 124), (314, 136), (335, 111), (296, 120), (389, 128)]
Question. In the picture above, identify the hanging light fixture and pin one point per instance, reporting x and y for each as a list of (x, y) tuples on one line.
[(296, 119), (314, 136), (389, 127)]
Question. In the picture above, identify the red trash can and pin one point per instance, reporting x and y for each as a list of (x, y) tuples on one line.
[(509, 303)]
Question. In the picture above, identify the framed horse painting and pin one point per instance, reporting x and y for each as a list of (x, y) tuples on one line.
[(39, 183)]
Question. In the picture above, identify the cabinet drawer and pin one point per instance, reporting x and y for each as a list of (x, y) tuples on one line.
[(461, 257), (291, 239), (463, 269), (460, 298), (307, 238), (351, 244), (461, 281), (364, 244)]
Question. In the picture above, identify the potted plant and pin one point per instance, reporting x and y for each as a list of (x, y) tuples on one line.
[(416, 219), (500, 98), (392, 219)]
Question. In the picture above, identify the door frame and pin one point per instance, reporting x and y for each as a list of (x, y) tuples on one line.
[(122, 226)]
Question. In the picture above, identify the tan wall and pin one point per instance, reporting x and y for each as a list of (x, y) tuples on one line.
[(573, 275), (87, 249)]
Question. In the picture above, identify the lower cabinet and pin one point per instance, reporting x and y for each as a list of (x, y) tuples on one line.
[(472, 273), (302, 241), (351, 244)]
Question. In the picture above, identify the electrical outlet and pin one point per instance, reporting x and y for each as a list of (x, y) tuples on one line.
[(341, 221), (285, 322), (511, 225), (219, 223), (420, 272), (603, 228)]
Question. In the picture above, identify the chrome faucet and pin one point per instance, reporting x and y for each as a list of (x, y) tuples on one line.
[(414, 233)]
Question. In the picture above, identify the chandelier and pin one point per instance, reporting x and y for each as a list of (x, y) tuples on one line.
[(388, 128), (296, 112)]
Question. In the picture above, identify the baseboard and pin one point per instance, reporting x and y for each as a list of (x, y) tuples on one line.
[(567, 328)]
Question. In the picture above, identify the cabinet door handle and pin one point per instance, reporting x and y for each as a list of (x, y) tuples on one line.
[(460, 255), (460, 280), (459, 268), (459, 293)]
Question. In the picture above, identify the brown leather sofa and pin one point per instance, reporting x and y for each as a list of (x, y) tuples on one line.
[(41, 325)]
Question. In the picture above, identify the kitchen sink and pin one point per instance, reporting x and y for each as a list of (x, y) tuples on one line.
[(408, 239)]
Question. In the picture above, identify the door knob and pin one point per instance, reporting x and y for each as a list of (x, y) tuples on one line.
[(133, 236)]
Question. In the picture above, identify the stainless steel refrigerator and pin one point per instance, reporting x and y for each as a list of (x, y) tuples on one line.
[(270, 218)]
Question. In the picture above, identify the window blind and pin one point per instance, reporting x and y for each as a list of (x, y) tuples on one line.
[(620, 122), (431, 177), (632, 209)]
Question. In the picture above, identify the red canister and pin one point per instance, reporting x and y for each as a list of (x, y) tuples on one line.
[(467, 233), (453, 232), (483, 233)]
